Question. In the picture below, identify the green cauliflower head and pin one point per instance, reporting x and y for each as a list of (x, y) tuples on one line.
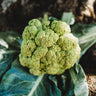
[(48, 48)]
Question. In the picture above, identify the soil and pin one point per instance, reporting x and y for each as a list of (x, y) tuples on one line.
[(15, 14)]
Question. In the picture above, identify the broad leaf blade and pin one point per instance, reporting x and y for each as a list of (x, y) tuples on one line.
[(73, 82), (11, 38), (86, 35), (6, 57), (79, 81), (17, 82), (68, 17), (64, 83), (5, 64)]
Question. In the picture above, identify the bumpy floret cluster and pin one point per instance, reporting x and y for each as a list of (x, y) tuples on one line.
[(48, 47)]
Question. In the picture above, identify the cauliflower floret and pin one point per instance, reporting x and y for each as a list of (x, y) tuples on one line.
[(23, 60), (29, 32), (67, 41), (51, 57), (28, 46), (53, 68), (60, 27), (37, 71), (35, 22), (46, 38), (55, 48), (48, 48), (40, 52)]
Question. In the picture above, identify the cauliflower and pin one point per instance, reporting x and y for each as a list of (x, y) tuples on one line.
[(48, 47)]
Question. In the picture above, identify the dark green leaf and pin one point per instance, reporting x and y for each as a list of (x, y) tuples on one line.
[(68, 17), (11, 38), (86, 35), (5, 63), (52, 18), (6, 53), (64, 83), (79, 81), (72, 83), (18, 82)]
